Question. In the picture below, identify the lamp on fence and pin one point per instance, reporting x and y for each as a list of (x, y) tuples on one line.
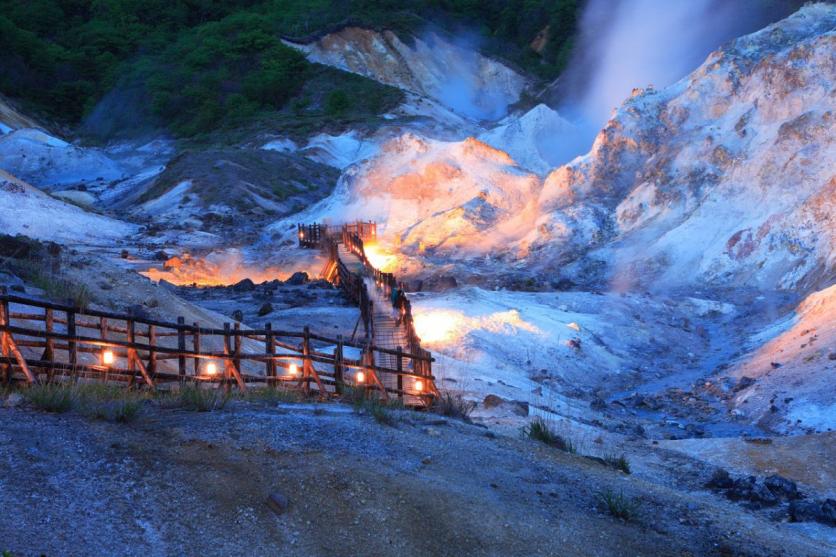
[(419, 385), (108, 358), (360, 377), (293, 369), (211, 369)]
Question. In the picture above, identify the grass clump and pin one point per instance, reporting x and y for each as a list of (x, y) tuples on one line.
[(618, 504), (52, 397), (452, 405), (619, 462), (540, 430), (270, 395), (192, 397), (373, 404), (104, 402)]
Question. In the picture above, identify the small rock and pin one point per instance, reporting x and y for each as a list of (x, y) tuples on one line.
[(277, 502), (426, 460), (125, 254), (14, 399), (245, 285), (161, 256), (720, 480), (238, 315), (818, 511), (775, 365), (138, 311), (266, 308), (297, 278), (598, 403), (782, 487), (492, 401)]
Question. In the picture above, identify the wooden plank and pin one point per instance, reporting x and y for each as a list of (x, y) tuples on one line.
[(181, 346), (71, 341), (270, 350), (21, 361), (196, 346)]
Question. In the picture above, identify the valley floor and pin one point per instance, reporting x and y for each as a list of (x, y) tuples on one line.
[(181, 483)]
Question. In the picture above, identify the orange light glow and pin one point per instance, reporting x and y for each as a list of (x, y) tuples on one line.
[(216, 269), (380, 259), (419, 385), (293, 369), (211, 369), (108, 358), (360, 377), (439, 326)]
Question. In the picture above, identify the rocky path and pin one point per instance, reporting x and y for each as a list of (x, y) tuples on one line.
[(183, 483)]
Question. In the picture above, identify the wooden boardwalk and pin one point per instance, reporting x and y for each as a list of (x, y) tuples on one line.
[(43, 341)]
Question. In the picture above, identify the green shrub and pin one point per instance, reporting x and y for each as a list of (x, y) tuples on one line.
[(452, 405), (52, 397), (619, 462), (540, 430), (192, 397), (618, 505), (337, 103)]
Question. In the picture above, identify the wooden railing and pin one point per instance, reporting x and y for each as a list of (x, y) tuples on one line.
[(314, 235), (40, 340), (388, 284)]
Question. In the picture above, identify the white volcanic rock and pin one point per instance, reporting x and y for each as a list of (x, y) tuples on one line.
[(726, 176), (26, 210), (793, 363), (432, 66), (453, 198), (534, 139), (11, 119), (49, 162)]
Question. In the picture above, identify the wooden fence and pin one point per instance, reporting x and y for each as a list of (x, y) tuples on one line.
[(39, 340), (315, 235)]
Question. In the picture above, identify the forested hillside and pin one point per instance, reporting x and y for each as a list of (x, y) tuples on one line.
[(197, 65)]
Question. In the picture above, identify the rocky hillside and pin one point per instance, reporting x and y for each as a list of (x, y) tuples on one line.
[(743, 148), (433, 66), (725, 177)]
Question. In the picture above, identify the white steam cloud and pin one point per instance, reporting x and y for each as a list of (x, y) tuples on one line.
[(635, 43)]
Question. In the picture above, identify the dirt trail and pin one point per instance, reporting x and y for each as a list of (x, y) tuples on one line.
[(181, 483)]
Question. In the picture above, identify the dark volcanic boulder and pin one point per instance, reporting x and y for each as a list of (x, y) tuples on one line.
[(245, 285), (266, 308), (818, 511), (297, 278)]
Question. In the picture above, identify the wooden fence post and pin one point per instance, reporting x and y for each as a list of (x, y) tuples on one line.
[(181, 347), (270, 350), (131, 352), (5, 320), (152, 354), (196, 343), (400, 369), (71, 343), (237, 359), (227, 349), (306, 351), (338, 365), (49, 351)]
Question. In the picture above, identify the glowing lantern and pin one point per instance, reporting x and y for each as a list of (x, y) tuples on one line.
[(293, 369), (211, 369), (419, 386), (360, 377), (108, 357)]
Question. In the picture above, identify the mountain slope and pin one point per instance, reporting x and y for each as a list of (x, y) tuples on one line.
[(725, 177), (28, 211)]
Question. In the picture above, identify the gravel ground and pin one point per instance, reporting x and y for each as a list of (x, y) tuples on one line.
[(181, 483)]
